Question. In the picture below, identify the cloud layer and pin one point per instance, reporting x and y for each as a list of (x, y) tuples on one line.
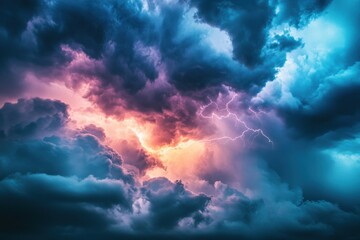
[(198, 119)]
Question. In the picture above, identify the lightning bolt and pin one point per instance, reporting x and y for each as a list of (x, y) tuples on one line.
[(228, 114)]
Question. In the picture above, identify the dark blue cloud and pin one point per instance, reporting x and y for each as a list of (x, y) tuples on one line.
[(122, 36), (134, 46), (30, 118), (299, 13), (13, 21), (38, 203), (170, 203), (335, 110), (29, 146), (246, 23), (317, 88), (67, 181)]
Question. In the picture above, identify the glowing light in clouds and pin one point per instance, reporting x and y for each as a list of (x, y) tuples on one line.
[(179, 119), (226, 113)]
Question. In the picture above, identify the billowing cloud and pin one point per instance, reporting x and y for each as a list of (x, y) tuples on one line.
[(179, 119), (84, 189), (148, 57), (31, 117), (315, 88), (169, 203), (57, 180)]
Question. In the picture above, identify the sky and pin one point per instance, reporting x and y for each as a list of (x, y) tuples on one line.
[(180, 119)]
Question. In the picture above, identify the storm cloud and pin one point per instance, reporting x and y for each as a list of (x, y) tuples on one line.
[(181, 119)]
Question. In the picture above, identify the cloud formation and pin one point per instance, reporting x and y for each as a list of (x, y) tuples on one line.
[(230, 119), (72, 183), (144, 56)]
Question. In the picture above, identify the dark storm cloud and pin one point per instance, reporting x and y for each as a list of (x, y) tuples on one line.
[(320, 93), (138, 157), (33, 33), (192, 69), (22, 50), (282, 216), (36, 37), (134, 45), (325, 167), (52, 182), (331, 109), (31, 118), (151, 61), (27, 144), (71, 183), (248, 24), (299, 12), (171, 202), (149, 58), (285, 42), (38, 203), (61, 156), (334, 111), (14, 17), (245, 21)]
